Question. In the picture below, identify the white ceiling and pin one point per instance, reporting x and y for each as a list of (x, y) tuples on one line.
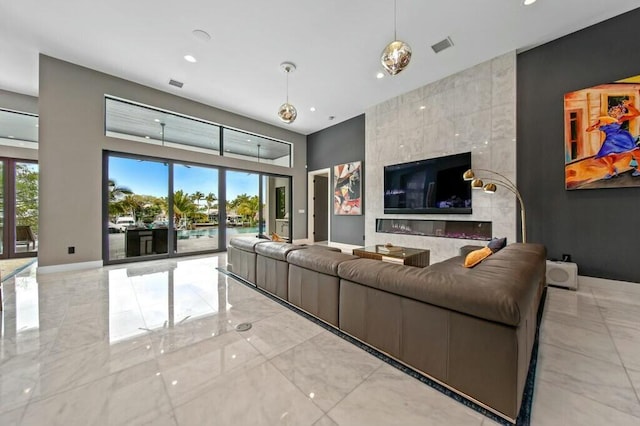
[(336, 45)]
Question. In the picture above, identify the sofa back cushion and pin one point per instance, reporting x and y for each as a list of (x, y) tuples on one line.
[(499, 289)]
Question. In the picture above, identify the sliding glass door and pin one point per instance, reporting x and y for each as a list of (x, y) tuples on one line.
[(158, 208), (195, 207), (275, 211), (137, 204), (18, 208), (242, 204)]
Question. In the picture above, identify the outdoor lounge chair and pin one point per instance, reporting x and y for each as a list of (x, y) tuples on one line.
[(24, 235)]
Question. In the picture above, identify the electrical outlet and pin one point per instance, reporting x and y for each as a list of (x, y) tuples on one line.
[(71, 249)]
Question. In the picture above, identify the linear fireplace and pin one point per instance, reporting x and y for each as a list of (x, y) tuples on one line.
[(464, 229)]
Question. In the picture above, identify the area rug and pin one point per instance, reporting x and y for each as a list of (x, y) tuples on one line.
[(524, 417), (10, 267)]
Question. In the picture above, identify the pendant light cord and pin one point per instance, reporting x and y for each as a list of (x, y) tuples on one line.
[(395, 19)]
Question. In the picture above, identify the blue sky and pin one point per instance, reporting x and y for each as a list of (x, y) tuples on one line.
[(151, 178)]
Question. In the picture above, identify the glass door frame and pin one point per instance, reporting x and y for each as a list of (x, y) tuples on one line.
[(9, 219), (222, 198)]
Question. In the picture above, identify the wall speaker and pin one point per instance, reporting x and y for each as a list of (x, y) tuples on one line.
[(562, 274)]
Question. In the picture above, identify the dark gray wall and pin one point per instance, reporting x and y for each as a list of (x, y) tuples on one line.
[(340, 144), (600, 228)]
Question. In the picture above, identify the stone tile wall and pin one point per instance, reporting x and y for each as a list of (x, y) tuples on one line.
[(473, 110)]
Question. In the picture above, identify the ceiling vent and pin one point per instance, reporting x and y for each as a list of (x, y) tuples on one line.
[(441, 45), (176, 83)]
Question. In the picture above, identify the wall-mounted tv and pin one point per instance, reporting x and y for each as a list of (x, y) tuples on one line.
[(431, 186)]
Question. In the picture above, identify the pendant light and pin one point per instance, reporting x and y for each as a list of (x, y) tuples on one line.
[(396, 56), (287, 112)]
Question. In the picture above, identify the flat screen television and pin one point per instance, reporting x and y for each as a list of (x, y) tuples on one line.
[(431, 186)]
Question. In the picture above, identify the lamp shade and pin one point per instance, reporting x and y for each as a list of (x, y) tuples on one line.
[(468, 175), (477, 184), (490, 188)]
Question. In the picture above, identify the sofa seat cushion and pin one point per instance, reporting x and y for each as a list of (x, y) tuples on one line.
[(319, 260), (498, 289), (246, 244), (276, 250)]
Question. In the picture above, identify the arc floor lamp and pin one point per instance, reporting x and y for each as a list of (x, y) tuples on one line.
[(492, 186)]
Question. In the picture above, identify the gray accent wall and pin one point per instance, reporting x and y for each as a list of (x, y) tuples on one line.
[(598, 227), (340, 144), (72, 140)]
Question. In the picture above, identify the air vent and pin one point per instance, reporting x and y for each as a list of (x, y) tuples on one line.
[(176, 83), (441, 45)]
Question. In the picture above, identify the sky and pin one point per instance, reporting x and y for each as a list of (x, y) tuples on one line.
[(151, 178)]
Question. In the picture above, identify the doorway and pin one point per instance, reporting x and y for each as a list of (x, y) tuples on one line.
[(319, 201)]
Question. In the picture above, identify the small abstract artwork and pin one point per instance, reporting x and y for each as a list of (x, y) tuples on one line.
[(601, 133), (347, 193)]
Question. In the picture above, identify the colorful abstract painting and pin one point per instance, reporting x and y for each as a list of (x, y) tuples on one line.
[(347, 193), (601, 133)]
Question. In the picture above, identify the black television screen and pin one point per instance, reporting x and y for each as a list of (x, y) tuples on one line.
[(434, 185)]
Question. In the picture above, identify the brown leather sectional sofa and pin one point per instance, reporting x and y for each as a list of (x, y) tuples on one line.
[(470, 329)]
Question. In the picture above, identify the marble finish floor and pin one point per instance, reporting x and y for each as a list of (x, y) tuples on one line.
[(154, 343)]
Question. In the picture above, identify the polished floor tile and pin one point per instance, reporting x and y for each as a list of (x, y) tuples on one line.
[(555, 406), (598, 380), (388, 398), (255, 396), (579, 339), (155, 343), (326, 368)]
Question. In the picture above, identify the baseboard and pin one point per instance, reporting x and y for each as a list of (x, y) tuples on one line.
[(594, 282), (69, 267)]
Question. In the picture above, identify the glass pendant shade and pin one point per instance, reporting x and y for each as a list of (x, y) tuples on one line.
[(287, 113), (396, 57)]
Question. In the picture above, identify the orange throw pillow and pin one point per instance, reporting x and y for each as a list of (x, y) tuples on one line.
[(476, 257), (276, 237)]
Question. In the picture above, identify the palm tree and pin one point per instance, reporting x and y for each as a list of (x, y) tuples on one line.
[(117, 192), (182, 205), (133, 204), (210, 198), (197, 196), (116, 195)]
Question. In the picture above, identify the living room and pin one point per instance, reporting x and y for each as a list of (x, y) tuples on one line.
[(505, 110)]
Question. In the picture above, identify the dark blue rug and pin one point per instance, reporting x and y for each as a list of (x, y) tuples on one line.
[(524, 417)]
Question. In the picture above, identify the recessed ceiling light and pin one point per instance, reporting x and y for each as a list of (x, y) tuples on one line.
[(37, 125), (157, 120), (422, 107), (248, 140), (529, 2), (147, 137), (201, 35), (457, 134), (379, 75), (11, 136), (312, 109), (189, 58)]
